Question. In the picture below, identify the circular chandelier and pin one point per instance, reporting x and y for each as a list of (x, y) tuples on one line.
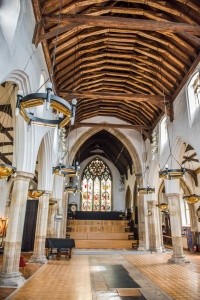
[(162, 206), (6, 170), (66, 111), (192, 198), (69, 171), (73, 189), (147, 190), (34, 194), (52, 202), (172, 173)]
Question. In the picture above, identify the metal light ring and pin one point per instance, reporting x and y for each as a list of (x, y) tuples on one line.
[(171, 173), (162, 206), (32, 103), (192, 198), (43, 121), (6, 170), (44, 96), (73, 189), (67, 169), (33, 193), (59, 107), (52, 202), (69, 174), (144, 191)]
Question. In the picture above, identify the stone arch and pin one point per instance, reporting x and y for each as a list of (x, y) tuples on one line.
[(45, 176), (21, 79), (128, 198), (26, 144), (192, 209), (118, 134)]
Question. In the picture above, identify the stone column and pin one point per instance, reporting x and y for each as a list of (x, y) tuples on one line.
[(10, 275), (65, 211), (51, 231), (175, 222), (172, 188), (55, 227), (41, 230), (153, 224), (141, 223)]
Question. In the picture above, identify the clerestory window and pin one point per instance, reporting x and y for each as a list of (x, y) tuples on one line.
[(193, 94), (163, 132), (96, 187)]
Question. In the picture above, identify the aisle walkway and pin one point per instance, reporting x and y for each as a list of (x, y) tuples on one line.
[(113, 275)]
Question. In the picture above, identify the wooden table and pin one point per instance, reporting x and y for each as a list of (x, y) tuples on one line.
[(63, 246)]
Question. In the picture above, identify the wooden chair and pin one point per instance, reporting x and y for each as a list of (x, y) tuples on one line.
[(65, 252)]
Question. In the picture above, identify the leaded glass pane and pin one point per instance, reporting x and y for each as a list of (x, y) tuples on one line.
[(97, 187)]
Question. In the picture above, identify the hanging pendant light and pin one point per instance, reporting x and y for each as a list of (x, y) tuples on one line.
[(6, 169), (48, 99), (34, 193), (166, 172), (162, 206), (70, 188), (146, 190), (193, 198), (67, 170), (65, 110), (52, 202), (170, 174)]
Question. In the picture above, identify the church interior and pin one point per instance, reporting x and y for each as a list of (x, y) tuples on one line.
[(100, 149)]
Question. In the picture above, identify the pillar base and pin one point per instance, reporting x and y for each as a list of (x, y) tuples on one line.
[(141, 248), (178, 260), (12, 279), (156, 250), (38, 259)]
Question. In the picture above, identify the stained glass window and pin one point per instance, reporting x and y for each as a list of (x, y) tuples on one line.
[(96, 187)]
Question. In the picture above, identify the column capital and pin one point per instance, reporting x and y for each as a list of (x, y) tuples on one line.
[(152, 202), (55, 199), (23, 175), (47, 193), (176, 195)]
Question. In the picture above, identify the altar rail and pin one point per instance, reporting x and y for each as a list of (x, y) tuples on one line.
[(98, 215)]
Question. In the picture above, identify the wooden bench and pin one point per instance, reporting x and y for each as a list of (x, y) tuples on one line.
[(135, 244)]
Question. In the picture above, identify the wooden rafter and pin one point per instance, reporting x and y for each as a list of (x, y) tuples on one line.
[(124, 23)]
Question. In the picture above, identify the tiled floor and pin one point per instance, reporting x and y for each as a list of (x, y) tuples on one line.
[(83, 277)]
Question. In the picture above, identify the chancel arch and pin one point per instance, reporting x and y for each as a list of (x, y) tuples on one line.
[(128, 198)]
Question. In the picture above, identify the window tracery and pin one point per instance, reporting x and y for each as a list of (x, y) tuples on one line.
[(193, 94), (96, 187)]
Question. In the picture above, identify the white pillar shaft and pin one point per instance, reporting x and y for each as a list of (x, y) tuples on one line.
[(175, 222), (65, 208), (51, 233), (10, 270), (41, 230), (141, 224), (153, 224)]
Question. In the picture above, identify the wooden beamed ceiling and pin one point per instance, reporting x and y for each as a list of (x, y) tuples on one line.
[(123, 59)]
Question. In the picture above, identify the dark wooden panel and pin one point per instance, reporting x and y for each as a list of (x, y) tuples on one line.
[(29, 225)]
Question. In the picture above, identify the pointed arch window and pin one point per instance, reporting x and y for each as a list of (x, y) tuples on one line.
[(96, 187)]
